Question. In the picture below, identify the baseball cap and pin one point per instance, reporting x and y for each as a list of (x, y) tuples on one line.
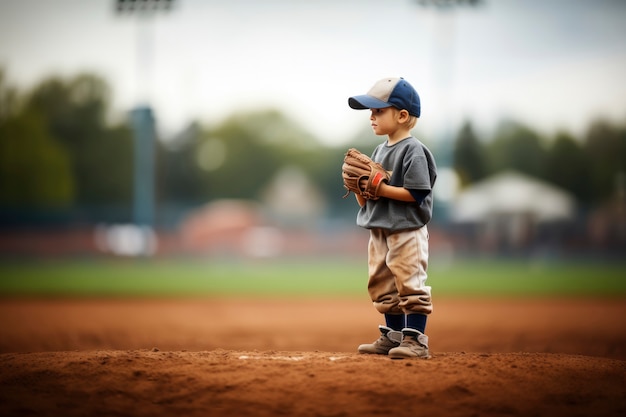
[(388, 92)]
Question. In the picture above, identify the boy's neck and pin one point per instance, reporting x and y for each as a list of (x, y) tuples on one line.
[(397, 136)]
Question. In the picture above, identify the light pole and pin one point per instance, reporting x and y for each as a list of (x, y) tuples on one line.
[(142, 119), (444, 39)]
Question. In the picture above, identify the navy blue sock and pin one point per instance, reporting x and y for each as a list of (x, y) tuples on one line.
[(395, 321), (416, 321)]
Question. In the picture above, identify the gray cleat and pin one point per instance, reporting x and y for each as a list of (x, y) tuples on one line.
[(388, 340), (414, 345)]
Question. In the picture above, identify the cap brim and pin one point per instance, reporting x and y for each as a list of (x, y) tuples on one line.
[(366, 102)]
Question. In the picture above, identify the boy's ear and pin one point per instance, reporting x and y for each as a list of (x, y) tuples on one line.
[(403, 115)]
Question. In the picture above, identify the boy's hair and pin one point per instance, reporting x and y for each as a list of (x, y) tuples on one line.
[(411, 122)]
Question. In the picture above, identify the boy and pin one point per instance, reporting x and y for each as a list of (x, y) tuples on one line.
[(398, 244)]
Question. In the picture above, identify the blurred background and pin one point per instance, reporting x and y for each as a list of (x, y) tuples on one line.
[(213, 129)]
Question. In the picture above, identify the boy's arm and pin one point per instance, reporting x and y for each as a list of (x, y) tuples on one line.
[(395, 193)]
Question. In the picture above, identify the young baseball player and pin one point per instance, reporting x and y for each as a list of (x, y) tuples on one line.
[(397, 219)]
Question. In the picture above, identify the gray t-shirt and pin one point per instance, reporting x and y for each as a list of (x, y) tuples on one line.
[(413, 167)]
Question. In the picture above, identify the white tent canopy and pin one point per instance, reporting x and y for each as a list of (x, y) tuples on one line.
[(514, 194)]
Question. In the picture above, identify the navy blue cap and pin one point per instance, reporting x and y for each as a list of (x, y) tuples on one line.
[(388, 92)]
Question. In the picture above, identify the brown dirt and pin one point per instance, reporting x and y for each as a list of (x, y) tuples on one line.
[(244, 357)]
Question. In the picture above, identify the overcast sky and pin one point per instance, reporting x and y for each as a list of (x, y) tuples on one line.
[(552, 64)]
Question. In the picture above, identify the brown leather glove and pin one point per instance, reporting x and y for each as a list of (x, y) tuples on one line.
[(361, 175)]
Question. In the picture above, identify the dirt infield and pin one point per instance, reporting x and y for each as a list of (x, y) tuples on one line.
[(243, 357)]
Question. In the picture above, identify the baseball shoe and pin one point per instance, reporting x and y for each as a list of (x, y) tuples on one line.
[(388, 340), (414, 345)]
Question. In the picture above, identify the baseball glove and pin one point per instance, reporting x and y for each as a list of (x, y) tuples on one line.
[(361, 175)]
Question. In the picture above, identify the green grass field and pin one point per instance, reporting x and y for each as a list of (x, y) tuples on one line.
[(146, 278)]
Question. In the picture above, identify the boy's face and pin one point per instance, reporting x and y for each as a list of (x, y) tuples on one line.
[(384, 121)]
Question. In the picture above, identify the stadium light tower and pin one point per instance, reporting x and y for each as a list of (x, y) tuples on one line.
[(444, 45), (143, 122)]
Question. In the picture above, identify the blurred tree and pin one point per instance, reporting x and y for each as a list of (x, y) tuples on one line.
[(566, 167), (241, 156), (8, 97), (518, 148), (605, 154), (469, 157), (74, 112), (34, 168), (236, 158), (272, 128), (74, 108), (179, 173)]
